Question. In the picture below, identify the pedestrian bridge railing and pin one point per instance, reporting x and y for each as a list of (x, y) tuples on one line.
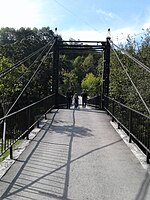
[(19, 123), (95, 101), (135, 124)]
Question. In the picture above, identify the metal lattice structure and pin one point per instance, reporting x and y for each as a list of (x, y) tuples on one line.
[(81, 46)]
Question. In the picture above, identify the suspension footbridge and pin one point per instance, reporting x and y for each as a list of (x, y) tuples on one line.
[(77, 154)]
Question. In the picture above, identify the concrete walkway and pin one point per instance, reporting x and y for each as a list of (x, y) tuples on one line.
[(77, 155)]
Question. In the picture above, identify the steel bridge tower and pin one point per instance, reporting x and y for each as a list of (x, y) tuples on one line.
[(90, 46)]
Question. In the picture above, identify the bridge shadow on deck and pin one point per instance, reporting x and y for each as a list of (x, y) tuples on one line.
[(47, 175), (141, 195)]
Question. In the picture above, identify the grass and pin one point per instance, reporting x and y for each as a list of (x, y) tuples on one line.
[(8, 151)]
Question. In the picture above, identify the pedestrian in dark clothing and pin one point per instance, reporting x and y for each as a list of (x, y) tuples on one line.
[(84, 98), (69, 95), (76, 100)]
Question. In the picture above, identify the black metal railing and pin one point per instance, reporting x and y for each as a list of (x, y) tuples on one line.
[(134, 123), (95, 102), (19, 123), (62, 101)]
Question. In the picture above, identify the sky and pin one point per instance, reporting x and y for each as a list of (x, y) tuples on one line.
[(79, 19)]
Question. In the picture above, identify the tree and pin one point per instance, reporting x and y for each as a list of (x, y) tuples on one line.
[(18, 44), (120, 86), (92, 84), (8, 84), (88, 64)]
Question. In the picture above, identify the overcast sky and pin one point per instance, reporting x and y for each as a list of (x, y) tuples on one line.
[(79, 19)]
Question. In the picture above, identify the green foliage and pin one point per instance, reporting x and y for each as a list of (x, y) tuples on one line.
[(8, 84), (120, 86), (15, 45), (75, 70), (92, 84), (79, 71), (118, 80), (69, 81)]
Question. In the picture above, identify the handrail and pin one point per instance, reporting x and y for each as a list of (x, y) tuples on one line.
[(134, 123), (29, 106), (18, 124), (127, 107), (94, 101)]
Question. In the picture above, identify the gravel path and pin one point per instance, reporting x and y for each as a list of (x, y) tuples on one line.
[(77, 155)]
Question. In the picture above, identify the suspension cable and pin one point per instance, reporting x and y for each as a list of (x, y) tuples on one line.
[(28, 70), (36, 71), (134, 59), (131, 81), (9, 69)]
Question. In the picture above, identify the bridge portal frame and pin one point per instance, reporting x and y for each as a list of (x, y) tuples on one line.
[(89, 46)]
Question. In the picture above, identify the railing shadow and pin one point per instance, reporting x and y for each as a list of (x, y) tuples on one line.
[(46, 175), (144, 187)]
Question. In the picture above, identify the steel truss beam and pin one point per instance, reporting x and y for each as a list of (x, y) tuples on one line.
[(81, 46)]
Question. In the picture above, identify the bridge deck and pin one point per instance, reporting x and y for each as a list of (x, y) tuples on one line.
[(77, 155)]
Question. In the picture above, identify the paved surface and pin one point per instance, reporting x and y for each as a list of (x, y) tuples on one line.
[(77, 155)]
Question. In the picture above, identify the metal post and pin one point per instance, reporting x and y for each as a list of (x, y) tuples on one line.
[(45, 117), (148, 157), (106, 72), (130, 126), (29, 123), (4, 133), (11, 152), (55, 77), (148, 146), (38, 124), (113, 111)]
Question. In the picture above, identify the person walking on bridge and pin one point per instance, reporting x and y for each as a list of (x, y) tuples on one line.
[(76, 100), (84, 98), (69, 95)]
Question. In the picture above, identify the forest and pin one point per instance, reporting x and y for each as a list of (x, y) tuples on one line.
[(79, 71)]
